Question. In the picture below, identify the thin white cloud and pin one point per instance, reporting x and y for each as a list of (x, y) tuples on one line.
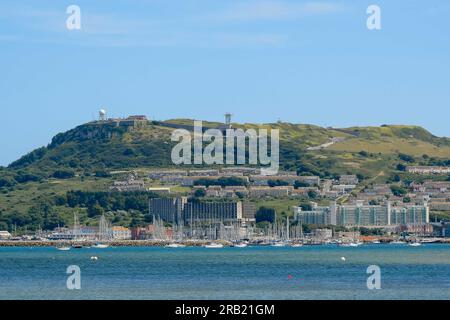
[(115, 30), (9, 37), (276, 10)]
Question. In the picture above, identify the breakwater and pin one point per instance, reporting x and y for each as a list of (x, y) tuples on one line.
[(117, 243)]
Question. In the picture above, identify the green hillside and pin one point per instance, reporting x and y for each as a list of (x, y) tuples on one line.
[(84, 157)]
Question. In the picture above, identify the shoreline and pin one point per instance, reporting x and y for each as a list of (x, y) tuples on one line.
[(138, 243), (121, 243)]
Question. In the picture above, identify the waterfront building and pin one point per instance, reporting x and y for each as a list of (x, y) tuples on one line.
[(420, 229), (179, 210), (320, 215), (121, 233), (87, 233), (322, 234), (347, 236), (167, 209), (212, 211), (5, 235), (248, 211), (361, 215)]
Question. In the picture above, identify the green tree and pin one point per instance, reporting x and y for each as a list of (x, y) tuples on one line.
[(266, 214), (199, 193), (300, 184), (95, 211), (398, 191), (313, 194)]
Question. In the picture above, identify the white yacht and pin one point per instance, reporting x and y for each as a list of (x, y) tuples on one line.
[(64, 248), (175, 245), (100, 246), (415, 244), (278, 244), (214, 246)]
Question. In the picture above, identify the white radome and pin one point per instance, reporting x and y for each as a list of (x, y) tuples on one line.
[(102, 112)]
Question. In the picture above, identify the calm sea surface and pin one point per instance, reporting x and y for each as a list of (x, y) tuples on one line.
[(317, 272)]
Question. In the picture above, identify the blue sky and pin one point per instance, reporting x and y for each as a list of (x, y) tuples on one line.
[(298, 61)]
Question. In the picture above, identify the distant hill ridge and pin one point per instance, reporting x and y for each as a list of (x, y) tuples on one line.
[(94, 146)]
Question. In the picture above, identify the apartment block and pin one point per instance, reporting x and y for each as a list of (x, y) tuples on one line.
[(362, 215)]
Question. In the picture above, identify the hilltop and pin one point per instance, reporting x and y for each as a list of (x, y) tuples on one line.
[(85, 158), (96, 146)]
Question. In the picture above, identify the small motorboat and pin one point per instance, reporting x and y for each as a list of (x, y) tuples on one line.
[(415, 244), (63, 248), (100, 246), (278, 244), (351, 244), (214, 246), (77, 246), (297, 245), (175, 245), (241, 245), (397, 242)]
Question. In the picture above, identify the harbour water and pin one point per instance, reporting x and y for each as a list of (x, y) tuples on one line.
[(309, 272)]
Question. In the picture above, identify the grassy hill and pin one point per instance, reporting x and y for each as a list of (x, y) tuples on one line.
[(83, 158)]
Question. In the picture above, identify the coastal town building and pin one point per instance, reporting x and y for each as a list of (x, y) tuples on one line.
[(181, 211), (240, 170), (5, 235), (158, 174), (276, 192), (130, 184), (212, 211), (168, 209), (159, 190), (342, 189), (203, 173), (349, 179), (222, 192), (428, 170), (322, 234), (264, 180), (120, 233), (420, 229), (361, 215), (313, 181), (131, 121)]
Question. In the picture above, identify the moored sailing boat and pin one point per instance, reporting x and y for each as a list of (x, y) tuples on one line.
[(104, 234)]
